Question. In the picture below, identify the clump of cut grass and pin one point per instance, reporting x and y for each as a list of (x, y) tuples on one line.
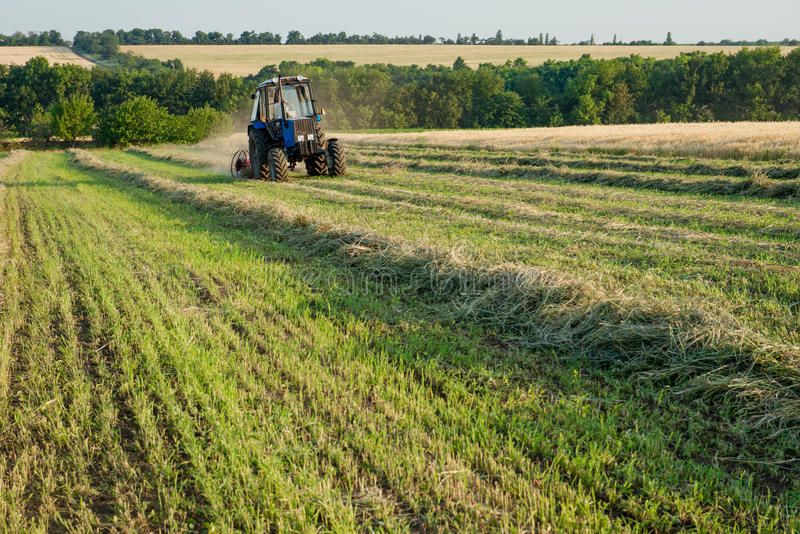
[(760, 184), (704, 351)]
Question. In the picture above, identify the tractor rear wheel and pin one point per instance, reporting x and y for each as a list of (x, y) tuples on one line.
[(258, 154), (317, 165), (337, 160), (278, 165)]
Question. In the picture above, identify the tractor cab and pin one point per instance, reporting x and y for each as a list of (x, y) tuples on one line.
[(291, 97), (287, 119)]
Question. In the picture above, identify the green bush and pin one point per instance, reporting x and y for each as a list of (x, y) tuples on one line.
[(141, 121), (40, 128), (198, 124), (73, 117), (5, 129)]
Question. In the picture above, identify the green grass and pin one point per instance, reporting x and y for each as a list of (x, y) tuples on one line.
[(731, 254), (180, 365)]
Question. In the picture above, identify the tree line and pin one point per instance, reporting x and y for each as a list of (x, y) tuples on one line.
[(147, 101), (754, 84), (48, 38), (101, 42), (758, 84), (93, 42)]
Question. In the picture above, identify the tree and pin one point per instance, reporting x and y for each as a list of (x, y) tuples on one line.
[(138, 120), (295, 37), (587, 111), (73, 117), (109, 45), (5, 131), (621, 106), (460, 64), (790, 81), (40, 128), (501, 110), (669, 41)]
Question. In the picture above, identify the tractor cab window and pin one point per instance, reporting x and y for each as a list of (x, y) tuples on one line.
[(296, 100)]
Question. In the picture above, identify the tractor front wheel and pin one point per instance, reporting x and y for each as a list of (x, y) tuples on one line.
[(317, 165), (336, 158), (278, 165)]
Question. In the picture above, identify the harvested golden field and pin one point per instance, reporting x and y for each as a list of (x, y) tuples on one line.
[(249, 59), (718, 139), (19, 55)]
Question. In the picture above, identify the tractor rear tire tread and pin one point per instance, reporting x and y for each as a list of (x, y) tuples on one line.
[(258, 154), (337, 159), (277, 166)]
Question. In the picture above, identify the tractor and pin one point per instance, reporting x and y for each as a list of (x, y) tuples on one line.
[(285, 129)]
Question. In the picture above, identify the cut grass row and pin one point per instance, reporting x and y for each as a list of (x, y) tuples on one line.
[(177, 367), (701, 349), (735, 140), (677, 167), (765, 181), (739, 254)]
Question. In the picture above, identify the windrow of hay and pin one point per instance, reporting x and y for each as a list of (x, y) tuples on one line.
[(182, 158), (701, 351), (757, 185), (750, 180), (739, 140), (513, 216), (12, 159), (586, 160), (540, 192)]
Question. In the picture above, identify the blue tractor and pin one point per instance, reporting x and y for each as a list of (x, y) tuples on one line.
[(286, 129)]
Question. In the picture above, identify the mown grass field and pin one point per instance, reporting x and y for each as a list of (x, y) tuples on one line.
[(442, 340), (247, 60)]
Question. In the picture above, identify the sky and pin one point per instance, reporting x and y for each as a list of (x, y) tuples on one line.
[(570, 20)]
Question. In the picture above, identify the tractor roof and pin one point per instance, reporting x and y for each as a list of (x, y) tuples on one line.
[(285, 80)]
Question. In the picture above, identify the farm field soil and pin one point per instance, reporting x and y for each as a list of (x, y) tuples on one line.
[(424, 344), (19, 55), (247, 60)]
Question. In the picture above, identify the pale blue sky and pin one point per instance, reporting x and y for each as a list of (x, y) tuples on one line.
[(570, 20)]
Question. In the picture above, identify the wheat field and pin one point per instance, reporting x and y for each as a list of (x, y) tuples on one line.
[(244, 60), (19, 55)]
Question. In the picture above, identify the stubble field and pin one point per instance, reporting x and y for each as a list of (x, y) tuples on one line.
[(444, 339), (19, 55)]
